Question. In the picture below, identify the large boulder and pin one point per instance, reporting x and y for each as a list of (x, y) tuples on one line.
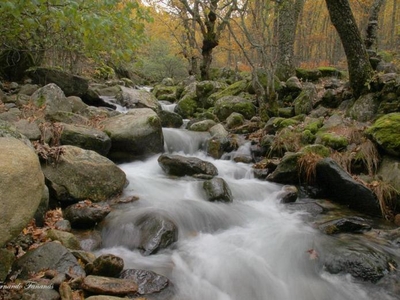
[(205, 88), (134, 98), (85, 137), (304, 102), (386, 133), (170, 119), (86, 214), (21, 187), (49, 256), (227, 105), (148, 282), (52, 98), (137, 133), (365, 108), (178, 165), (83, 174), (339, 186), (72, 85)]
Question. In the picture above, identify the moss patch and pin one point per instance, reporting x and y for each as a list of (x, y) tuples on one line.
[(337, 142), (386, 133)]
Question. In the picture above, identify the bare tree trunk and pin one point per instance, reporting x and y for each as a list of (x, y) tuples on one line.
[(288, 15), (360, 69)]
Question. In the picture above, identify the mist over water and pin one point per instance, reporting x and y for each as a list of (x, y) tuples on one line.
[(251, 249)]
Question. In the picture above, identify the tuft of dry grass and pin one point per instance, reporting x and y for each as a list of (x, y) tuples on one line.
[(307, 164), (386, 195), (286, 140)]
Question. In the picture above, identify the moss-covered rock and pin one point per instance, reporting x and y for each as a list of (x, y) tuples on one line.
[(186, 107), (287, 171), (304, 103), (318, 149), (167, 93), (225, 106), (233, 90), (365, 108), (203, 125), (333, 140), (205, 88), (331, 72), (234, 120), (386, 133), (275, 124), (308, 75), (313, 124)]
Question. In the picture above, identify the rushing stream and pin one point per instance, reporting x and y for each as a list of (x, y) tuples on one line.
[(251, 249)]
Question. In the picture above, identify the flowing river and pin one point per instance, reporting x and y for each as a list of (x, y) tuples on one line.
[(250, 249)]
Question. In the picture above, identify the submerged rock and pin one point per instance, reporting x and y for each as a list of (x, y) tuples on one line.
[(217, 190)]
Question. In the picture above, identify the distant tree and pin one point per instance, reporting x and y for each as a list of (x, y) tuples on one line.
[(360, 69), (372, 27)]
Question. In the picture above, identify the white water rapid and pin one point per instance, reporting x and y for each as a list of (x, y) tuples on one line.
[(251, 249)]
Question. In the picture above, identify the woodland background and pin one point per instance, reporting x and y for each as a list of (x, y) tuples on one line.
[(157, 39)]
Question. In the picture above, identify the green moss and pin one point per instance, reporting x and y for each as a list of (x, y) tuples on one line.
[(308, 75), (314, 125), (186, 107), (232, 90), (316, 149), (386, 133), (330, 72), (41, 101), (154, 121), (307, 137), (283, 122), (334, 141)]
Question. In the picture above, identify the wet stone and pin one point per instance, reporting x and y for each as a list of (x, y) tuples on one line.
[(106, 265), (148, 282), (109, 286), (345, 225)]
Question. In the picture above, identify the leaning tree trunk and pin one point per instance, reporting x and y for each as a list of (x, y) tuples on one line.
[(288, 15), (360, 69)]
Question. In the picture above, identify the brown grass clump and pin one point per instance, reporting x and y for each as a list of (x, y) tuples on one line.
[(286, 140), (307, 164), (386, 195)]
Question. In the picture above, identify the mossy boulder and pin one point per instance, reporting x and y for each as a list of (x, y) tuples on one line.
[(304, 103), (386, 133), (234, 120), (186, 107), (287, 171), (170, 119), (167, 93), (318, 149), (203, 125), (313, 124), (233, 90), (227, 105), (308, 75), (277, 123), (331, 72), (206, 88)]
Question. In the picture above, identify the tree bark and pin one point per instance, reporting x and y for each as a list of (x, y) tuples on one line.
[(360, 69), (288, 15), (372, 27)]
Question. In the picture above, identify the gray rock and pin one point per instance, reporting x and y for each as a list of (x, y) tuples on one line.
[(134, 98), (83, 174), (178, 165), (53, 99), (21, 187), (72, 85), (6, 262), (203, 125), (86, 215), (29, 129), (85, 137), (67, 239), (288, 194), (339, 186), (287, 171), (52, 256), (148, 282), (217, 190), (365, 108), (157, 232), (135, 134)]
